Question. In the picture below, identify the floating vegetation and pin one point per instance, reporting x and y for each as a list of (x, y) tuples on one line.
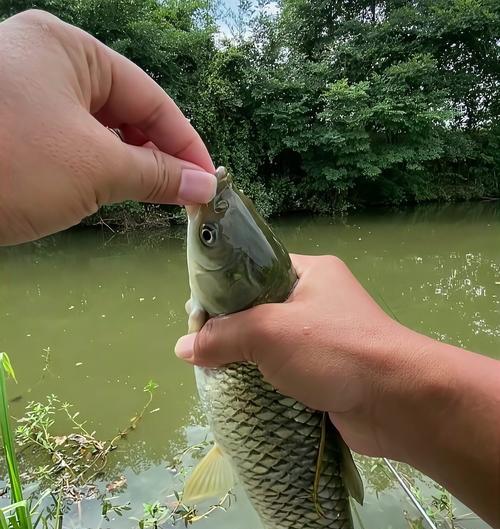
[(157, 515), (70, 463)]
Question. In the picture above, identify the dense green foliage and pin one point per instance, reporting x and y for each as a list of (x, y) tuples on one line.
[(322, 104)]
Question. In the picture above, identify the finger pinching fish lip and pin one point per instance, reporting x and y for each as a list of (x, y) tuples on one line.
[(290, 460), (221, 173)]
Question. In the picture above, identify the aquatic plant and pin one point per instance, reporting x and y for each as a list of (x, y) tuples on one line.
[(71, 462), (157, 515)]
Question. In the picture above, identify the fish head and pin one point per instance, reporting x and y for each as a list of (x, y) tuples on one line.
[(234, 259)]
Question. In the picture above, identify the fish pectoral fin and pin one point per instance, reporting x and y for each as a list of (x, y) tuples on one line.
[(197, 315), (212, 477), (349, 470), (350, 473), (319, 467)]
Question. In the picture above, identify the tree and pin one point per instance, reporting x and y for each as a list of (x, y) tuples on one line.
[(323, 104)]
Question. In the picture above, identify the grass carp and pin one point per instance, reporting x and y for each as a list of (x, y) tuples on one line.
[(291, 461)]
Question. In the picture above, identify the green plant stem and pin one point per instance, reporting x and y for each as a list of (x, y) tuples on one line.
[(10, 454)]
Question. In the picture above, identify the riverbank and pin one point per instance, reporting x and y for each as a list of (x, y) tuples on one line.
[(133, 216)]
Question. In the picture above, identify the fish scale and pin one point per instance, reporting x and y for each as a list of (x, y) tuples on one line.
[(273, 442)]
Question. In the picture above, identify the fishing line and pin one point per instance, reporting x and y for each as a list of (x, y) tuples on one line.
[(410, 495)]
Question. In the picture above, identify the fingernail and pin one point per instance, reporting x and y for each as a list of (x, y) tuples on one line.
[(197, 187), (184, 346)]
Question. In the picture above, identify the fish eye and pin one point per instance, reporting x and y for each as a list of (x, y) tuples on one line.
[(208, 234)]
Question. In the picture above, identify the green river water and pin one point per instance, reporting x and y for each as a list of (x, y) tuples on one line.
[(109, 308)]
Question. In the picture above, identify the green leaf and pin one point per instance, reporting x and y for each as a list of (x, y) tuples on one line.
[(7, 366), (3, 521), (150, 386)]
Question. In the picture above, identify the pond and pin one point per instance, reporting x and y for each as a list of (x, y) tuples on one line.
[(92, 316)]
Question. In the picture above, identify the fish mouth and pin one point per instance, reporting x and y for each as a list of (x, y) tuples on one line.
[(192, 211), (217, 267), (223, 180), (204, 268)]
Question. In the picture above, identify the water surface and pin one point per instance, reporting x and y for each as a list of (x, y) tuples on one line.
[(109, 308)]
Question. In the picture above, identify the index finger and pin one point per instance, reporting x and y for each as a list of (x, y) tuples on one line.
[(125, 94)]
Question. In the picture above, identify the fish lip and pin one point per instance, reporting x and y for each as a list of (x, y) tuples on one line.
[(224, 181), (221, 173), (208, 269), (192, 211), (221, 267)]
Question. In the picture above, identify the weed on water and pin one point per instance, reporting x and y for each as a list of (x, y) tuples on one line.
[(70, 464)]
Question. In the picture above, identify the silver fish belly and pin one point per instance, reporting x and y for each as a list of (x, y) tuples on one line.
[(273, 442)]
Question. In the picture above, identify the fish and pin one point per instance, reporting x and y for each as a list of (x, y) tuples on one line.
[(291, 461)]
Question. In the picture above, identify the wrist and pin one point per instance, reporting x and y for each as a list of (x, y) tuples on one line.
[(417, 391), (437, 392)]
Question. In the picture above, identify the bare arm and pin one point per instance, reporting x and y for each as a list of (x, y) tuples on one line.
[(444, 419), (390, 391)]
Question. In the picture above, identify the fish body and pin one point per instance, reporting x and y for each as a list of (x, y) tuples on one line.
[(290, 460)]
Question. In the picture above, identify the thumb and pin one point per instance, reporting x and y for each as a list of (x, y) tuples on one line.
[(226, 339), (148, 175)]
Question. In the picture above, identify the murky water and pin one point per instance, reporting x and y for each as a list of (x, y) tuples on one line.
[(106, 311)]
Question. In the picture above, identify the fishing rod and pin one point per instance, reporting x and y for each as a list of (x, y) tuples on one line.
[(410, 495)]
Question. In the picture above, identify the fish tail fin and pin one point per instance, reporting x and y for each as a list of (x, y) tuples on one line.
[(212, 477)]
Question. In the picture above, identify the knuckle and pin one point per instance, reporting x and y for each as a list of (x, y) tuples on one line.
[(161, 184), (38, 18), (153, 117), (335, 261), (264, 328), (332, 262)]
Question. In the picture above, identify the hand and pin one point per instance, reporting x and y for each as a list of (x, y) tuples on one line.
[(329, 346), (390, 391), (60, 89)]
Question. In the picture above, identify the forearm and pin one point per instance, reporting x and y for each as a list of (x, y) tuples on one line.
[(449, 400)]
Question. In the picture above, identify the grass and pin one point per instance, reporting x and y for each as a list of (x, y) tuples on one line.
[(17, 515)]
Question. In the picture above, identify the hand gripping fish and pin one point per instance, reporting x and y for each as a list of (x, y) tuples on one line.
[(294, 466)]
